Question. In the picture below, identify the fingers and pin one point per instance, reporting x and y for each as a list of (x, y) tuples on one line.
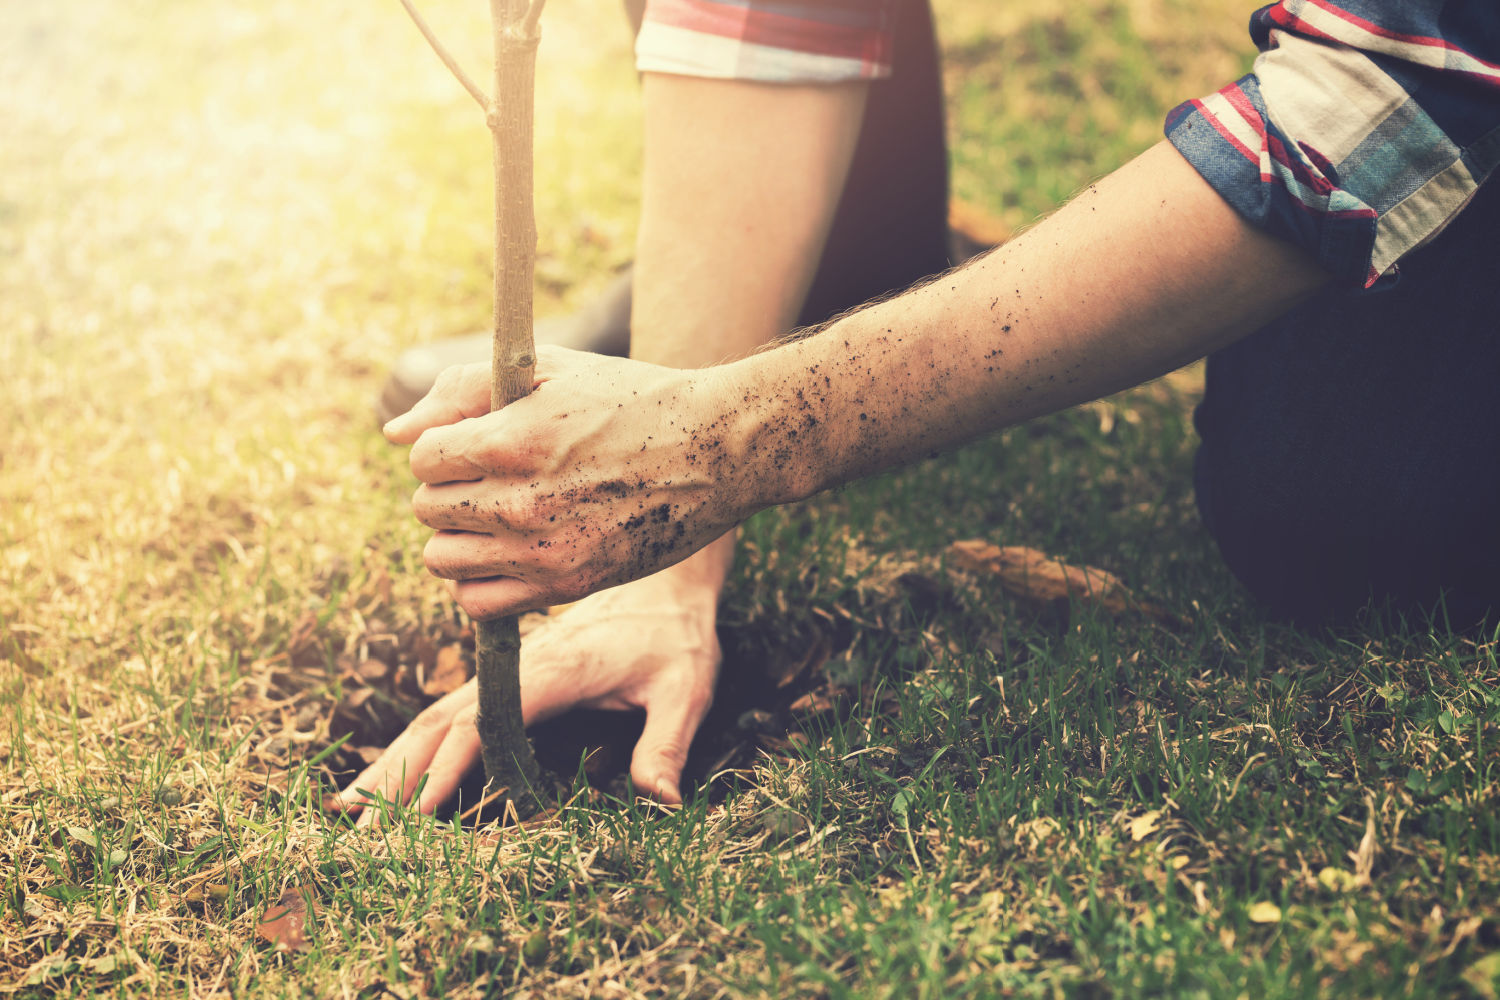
[(441, 454), (459, 392), (459, 750), (467, 555), (396, 772), (457, 507), (481, 568), (496, 596), (660, 754)]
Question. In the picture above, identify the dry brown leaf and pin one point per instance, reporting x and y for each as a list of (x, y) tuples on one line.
[(1033, 575), (302, 646), (449, 673), (817, 701), (285, 923), (784, 672), (372, 670)]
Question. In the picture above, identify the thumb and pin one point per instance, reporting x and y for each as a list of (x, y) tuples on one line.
[(460, 392), (660, 754)]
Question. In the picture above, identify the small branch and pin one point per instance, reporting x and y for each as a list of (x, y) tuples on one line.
[(479, 96), (473, 810), (533, 15)]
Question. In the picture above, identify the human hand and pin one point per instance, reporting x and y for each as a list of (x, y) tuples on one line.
[(648, 645), (608, 471)]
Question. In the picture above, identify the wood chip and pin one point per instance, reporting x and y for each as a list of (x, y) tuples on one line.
[(1032, 575), (785, 672), (451, 671)]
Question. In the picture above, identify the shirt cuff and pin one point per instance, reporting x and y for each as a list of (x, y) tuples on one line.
[(768, 41), (1340, 151)]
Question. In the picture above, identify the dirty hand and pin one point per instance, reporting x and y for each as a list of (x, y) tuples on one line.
[(647, 645), (608, 471)]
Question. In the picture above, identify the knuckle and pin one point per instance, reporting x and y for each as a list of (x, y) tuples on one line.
[(432, 719), (671, 753), (453, 380), (467, 719), (438, 560)]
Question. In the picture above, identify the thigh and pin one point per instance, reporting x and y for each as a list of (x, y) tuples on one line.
[(1351, 450), (891, 227)]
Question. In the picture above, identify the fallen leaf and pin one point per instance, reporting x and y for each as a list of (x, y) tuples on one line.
[(1265, 913), (1035, 833), (302, 646), (285, 923), (84, 836), (1336, 879), (449, 673), (1032, 575), (104, 965), (1144, 825), (372, 670), (816, 701), (783, 672)]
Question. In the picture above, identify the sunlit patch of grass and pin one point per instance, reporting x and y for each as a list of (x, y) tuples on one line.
[(1045, 97)]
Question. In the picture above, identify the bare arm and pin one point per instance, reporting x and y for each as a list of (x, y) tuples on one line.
[(611, 470), (1142, 272)]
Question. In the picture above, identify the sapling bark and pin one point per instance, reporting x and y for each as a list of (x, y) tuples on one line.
[(509, 763)]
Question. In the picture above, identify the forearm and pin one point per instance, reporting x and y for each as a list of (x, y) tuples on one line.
[(1143, 272)]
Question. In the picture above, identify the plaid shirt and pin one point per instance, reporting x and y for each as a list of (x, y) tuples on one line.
[(1364, 128)]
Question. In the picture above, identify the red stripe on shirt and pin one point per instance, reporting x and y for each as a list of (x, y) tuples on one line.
[(780, 31), (1224, 131), (1286, 19)]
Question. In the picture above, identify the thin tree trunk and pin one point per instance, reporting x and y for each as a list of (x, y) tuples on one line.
[(509, 763)]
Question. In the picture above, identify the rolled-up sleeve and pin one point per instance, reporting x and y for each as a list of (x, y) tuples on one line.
[(768, 41), (1363, 129)]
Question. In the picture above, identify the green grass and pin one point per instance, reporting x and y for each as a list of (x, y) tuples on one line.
[(217, 227)]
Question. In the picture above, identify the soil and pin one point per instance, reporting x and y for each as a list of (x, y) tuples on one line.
[(784, 680)]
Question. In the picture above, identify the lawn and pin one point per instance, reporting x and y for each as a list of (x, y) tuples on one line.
[(218, 224)]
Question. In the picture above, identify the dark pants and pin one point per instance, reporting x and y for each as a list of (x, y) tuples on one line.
[(1351, 449)]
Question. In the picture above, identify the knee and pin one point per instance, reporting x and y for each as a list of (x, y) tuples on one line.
[(1321, 548)]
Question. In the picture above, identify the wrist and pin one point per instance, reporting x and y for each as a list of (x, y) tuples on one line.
[(699, 579), (774, 429)]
